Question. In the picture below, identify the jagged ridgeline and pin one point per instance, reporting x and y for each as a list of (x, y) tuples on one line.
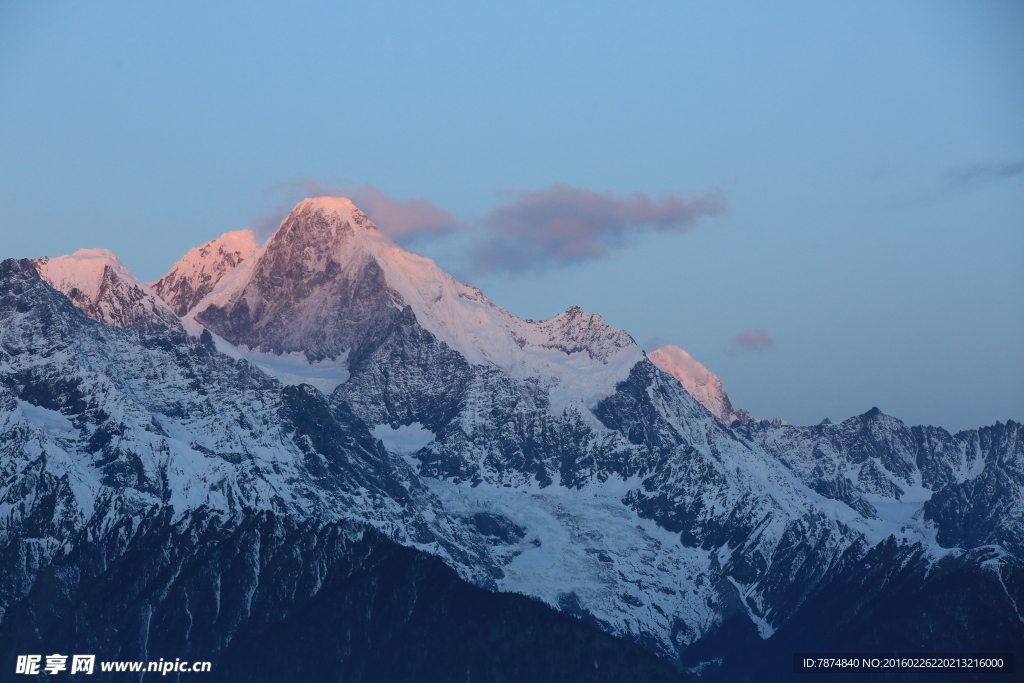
[(326, 459)]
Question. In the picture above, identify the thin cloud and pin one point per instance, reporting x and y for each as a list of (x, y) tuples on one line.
[(749, 341), (556, 226), (562, 225), (972, 176), (655, 344), (288, 195), (401, 220)]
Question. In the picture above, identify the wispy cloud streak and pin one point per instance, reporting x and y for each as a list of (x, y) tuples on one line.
[(561, 225), (972, 176), (555, 226), (749, 341), (401, 220)]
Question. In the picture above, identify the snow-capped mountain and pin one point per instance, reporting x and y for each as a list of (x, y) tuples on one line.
[(98, 283), (968, 485), (199, 271), (698, 381), (100, 413), (331, 376), (328, 284)]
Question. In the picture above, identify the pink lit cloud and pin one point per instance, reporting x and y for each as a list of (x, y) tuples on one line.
[(749, 341), (555, 226), (561, 225), (401, 220)]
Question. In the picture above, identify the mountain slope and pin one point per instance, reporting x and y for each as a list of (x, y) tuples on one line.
[(98, 422), (328, 283), (698, 381), (198, 272), (570, 452), (99, 285), (267, 598)]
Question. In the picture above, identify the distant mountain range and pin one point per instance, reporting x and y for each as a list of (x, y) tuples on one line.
[(326, 449)]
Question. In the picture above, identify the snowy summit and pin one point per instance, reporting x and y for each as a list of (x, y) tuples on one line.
[(702, 384), (328, 277), (199, 271)]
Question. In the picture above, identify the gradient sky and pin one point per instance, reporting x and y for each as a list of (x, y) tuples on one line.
[(870, 155)]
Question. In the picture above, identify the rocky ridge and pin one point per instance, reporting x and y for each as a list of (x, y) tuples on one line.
[(202, 268), (698, 381), (97, 282)]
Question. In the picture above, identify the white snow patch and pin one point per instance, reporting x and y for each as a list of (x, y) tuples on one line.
[(904, 510), (51, 422), (764, 629), (585, 546), (404, 440), (291, 369)]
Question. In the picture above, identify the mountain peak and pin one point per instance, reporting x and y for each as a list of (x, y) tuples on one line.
[(98, 283), (197, 273), (327, 281), (339, 205), (698, 381), (82, 270), (323, 217)]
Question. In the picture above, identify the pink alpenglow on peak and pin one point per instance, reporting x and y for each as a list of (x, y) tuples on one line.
[(561, 225), (97, 282), (339, 206), (698, 381), (81, 272), (199, 271), (403, 220), (328, 277)]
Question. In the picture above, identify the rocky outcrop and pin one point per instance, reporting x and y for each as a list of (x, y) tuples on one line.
[(101, 287), (199, 271)]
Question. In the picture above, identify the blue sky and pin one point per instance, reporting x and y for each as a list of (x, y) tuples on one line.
[(869, 156)]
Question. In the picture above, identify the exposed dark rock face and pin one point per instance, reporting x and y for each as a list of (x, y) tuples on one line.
[(266, 598), (987, 509), (895, 600), (972, 480), (304, 296)]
